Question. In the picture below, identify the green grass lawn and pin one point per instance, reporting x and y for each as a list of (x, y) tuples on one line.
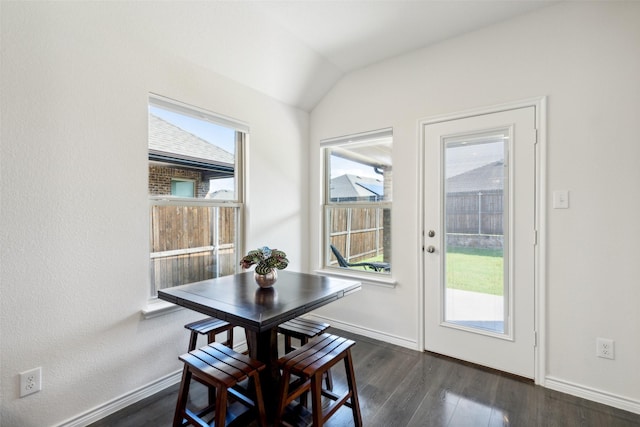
[(476, 270), (471, 269), (372, 259)]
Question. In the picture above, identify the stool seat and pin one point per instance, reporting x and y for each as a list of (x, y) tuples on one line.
[(221, 369), (302, 329), (210, 327), (309, 363)]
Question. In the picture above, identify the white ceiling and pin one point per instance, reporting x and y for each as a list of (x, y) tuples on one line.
[(295, 51)]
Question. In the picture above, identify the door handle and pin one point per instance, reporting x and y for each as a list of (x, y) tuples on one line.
[(431, 249)]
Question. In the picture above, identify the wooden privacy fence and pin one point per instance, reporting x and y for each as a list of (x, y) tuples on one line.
[(477, 212), (191, 243), (358, 233)]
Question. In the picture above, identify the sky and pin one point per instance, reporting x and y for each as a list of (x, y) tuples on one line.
[(340, 166), (463, 158), (221, 136)]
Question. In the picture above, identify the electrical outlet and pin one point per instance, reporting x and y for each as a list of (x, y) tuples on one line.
[(604, 348), (30, 381)]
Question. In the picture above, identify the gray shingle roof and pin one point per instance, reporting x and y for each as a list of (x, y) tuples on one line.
[(351, 187), (166, 138), (485, 178)]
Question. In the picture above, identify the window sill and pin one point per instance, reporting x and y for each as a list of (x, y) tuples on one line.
[(157, 307), (369, 279)]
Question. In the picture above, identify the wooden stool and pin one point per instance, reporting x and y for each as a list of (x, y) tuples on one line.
[(303, 329), (221, 369), (309, 363), (210, 327)]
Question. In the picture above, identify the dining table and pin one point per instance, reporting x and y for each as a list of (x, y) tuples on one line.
[(239, 300)]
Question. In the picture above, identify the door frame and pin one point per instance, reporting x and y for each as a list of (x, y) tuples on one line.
[(540, 111)]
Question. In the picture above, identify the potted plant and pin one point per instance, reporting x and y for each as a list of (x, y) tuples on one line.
[(268, 262)]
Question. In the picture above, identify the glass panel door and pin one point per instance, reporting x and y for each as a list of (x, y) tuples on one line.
[(480, 238), (476, 204)]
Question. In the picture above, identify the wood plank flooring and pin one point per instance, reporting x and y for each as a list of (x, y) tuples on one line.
[(400, 387)]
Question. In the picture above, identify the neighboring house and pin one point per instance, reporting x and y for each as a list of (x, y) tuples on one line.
[(489, 177), (349, 188), (184, 156)]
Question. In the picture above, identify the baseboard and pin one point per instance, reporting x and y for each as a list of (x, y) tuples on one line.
[(593, 394), (123, 401), (370, 333), (132, 397)]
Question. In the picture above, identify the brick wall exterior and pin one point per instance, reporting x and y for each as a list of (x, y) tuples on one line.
[(160, 180)]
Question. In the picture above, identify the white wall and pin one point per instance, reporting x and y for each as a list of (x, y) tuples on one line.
[(585, 57), (74, 214)]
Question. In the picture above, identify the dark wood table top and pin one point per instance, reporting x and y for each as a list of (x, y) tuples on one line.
[(240, 301)]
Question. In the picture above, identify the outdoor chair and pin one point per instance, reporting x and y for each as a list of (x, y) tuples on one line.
[(376, 266)]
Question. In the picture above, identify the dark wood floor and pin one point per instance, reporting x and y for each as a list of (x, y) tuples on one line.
[(400, 387)]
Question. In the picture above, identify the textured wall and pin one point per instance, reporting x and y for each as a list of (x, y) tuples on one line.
[(74, 218), (584, 56)]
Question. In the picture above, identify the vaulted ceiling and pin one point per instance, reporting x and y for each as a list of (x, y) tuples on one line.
[(295, 51)]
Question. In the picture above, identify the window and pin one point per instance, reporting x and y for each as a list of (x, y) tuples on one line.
[(357, 206), (183, 187), (195, 193)]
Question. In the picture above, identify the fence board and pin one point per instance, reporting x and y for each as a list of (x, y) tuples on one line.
[(475, 212), (358, 233), (210, 250)]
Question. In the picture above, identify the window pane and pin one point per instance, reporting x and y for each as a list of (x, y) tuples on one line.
[(182, 188), (357, 238), (360, 172), (475, 193), (192, 243), (193, 165), (184, 147), (358, 198)]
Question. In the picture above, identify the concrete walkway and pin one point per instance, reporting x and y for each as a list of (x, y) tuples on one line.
[(470, 306)]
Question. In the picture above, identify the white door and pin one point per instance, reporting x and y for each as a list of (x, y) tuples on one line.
[(479, 225)]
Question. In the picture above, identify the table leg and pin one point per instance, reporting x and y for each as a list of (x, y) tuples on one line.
[(263, 346)]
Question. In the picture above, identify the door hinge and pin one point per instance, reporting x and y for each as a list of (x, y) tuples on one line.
[(535, 237), (535, 338), (535, 136)]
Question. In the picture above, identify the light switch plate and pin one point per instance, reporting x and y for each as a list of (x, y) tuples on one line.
[(561, 199)]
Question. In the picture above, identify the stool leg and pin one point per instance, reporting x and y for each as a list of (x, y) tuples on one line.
[(288, 348), (283, 396), (303, 396), (328, 380), (262, 415), (193, 340), (351, 381), (316, 400), (221, 405), (211, 337), (182, 397), (246, 337), (229, 342)]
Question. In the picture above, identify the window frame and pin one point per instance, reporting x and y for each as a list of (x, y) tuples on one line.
[(380, 278), (241, 130)]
